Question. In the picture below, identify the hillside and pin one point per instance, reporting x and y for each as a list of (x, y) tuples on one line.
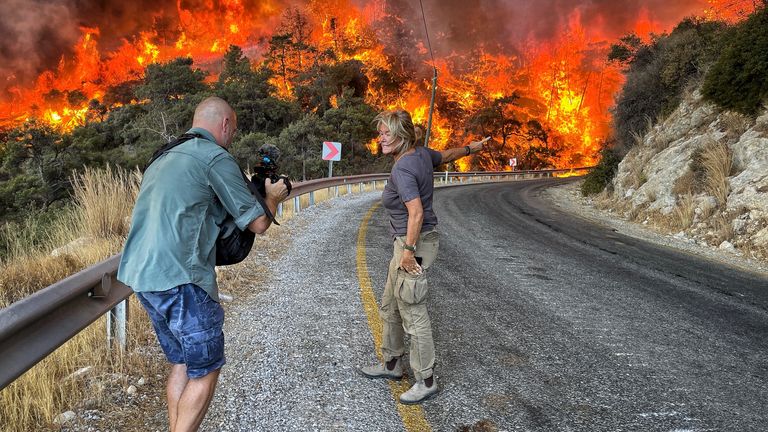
[(702, 173)]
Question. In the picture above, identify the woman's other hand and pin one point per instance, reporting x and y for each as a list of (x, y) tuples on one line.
[(409, 264)]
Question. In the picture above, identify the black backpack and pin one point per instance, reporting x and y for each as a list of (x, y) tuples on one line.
[(233, 244)]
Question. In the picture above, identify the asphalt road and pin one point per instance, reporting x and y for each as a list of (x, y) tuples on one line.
[(546, 322)]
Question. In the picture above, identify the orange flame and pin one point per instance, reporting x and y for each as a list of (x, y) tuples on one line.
[(564, 84)]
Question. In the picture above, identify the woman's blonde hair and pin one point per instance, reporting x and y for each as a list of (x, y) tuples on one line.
[(401, 126)]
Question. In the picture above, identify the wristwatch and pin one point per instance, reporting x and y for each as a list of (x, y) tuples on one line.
[(410, 248)]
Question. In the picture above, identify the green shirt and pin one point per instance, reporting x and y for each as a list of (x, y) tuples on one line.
[(184, 197)]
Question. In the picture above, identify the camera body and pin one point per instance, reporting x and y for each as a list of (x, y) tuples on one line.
[(267, 169)]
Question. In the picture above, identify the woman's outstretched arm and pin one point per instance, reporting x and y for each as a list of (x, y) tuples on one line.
[(452, 154)]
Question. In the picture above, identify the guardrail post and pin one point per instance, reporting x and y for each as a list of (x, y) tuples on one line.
[(349, 189), (374, 185), (296, 205), (311, 198), (362, 187), (117, 323), (336, 191)]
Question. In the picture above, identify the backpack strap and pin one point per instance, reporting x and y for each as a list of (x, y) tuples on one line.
[(180, 140), (188, 136)]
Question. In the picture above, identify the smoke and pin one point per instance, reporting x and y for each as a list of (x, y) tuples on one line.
[(35, 34), (501, 25)]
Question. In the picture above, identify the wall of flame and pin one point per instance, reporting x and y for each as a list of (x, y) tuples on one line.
[(558, 67)]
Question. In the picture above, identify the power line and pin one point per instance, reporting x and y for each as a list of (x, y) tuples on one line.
[(429, 44), (434, 77)]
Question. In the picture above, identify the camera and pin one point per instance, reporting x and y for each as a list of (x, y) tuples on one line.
[(267, 167)]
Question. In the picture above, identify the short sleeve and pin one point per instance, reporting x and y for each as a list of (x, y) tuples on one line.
[(406, 182), (227, 182), (437, 157)]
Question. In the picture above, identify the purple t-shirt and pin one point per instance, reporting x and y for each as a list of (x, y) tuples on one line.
[(411, 177)]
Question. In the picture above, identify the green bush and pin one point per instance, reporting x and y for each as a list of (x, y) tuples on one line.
[(738, 81), (658, 72), (602, 174)]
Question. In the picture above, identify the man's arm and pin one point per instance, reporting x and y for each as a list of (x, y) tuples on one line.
[(276, 193), (452, 154)]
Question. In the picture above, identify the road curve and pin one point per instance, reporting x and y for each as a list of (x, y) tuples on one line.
[(545, 322), (542, 322)]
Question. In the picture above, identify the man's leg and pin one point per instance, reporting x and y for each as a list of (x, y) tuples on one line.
[(177, 381), (194, 402)]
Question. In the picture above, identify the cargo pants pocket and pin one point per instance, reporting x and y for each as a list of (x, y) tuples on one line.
[(409, 289)]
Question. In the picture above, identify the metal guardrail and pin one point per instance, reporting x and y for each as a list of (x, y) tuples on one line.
[(35, 326)]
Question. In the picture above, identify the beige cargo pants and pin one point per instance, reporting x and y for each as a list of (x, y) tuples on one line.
[(404, 307)]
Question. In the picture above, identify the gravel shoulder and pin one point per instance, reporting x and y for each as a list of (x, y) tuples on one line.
[(568, 197), (293, 348)]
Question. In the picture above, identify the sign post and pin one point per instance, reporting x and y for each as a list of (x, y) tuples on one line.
[(331, 152)]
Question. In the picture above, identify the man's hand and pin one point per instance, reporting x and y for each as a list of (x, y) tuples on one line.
[(276, 191), (477, 146)]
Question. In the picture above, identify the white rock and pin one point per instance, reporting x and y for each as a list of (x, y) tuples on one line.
[(80, 372), (72, 246), (739, 225), (726, 245), (141, 381), (226, 298), (131, 390), (65, 417), (761, 238)]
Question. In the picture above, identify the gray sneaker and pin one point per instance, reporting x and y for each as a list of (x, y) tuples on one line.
[(419, 392), (380, 370)]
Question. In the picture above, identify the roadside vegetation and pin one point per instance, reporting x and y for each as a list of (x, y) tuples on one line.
[(726, 62), (92, 228)]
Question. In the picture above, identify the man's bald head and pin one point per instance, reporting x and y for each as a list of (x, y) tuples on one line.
[(216, 116)]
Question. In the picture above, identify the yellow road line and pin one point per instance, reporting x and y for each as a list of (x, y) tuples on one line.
[(412, 415)]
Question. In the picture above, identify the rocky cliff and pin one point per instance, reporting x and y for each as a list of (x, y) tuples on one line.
[(701, 173)]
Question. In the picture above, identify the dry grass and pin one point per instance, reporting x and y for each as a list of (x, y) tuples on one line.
[(50, 387), (636, 161), (684, 184), (723, 229), (735, 124), (682, 216), (32, 401), (717, 162), (98, 217)]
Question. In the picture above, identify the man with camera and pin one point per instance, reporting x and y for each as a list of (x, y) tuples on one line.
[(169, 257)]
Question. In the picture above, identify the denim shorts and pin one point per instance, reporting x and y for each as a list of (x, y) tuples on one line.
[(188, 324)]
